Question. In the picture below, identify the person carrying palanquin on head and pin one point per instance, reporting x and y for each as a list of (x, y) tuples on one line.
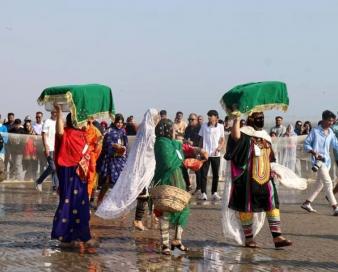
[(250, 194), (71, 220), (253, 189)]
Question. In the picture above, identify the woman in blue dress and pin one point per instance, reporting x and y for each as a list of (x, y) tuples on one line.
[(71, 220), (113, 156)]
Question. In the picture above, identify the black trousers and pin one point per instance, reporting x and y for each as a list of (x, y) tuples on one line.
[(198, 179), (215, 163), (140, 207), (186, 177)]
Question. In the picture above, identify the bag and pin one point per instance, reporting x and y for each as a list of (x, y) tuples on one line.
[(193, 164), (168, 198)]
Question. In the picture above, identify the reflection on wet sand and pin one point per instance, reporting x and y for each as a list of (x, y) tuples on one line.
[(25, 245)]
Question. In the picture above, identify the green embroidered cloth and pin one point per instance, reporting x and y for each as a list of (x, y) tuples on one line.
[(168, 171), (256, 97), (83, 101)]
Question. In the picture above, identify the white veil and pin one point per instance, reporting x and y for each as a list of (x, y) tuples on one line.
[(232, 228), (136, 174)]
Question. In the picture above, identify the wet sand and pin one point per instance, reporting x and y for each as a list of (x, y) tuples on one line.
[(25, 245)]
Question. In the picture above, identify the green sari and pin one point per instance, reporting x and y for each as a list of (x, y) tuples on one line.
[(168, 172)]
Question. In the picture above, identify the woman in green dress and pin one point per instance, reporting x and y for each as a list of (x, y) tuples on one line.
[(169, 157)]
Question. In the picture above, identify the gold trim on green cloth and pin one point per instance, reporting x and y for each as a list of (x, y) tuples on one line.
[(258, 108), (68, 98)]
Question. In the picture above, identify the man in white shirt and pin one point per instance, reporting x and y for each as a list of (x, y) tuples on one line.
[(212, 140), (37, 127), (48, 139)]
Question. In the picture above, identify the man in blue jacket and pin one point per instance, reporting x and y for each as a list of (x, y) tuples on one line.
[(318, 144), (3, 141)]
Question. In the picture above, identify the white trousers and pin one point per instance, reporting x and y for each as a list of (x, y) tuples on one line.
[(323, 180)]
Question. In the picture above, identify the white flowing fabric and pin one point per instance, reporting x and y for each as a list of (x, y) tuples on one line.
[(288, 178), (232, 228), (136, 174)]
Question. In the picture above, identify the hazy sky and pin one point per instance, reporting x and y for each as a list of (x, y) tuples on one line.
[(177, 55)]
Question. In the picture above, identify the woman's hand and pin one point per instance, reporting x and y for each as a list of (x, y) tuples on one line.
[(204, 154), (115, 145), (57, 107), (120, 149), (118, 146)]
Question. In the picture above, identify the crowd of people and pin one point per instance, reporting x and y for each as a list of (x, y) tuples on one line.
[(22, 153), (30, 147), (34, 155), (98, 153), (279, 129)]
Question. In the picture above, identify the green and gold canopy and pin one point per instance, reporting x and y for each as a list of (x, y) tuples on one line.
[(83, 101), (256, 97)]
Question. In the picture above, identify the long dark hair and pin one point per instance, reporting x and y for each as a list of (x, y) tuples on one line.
[(26, 128), (118, 118)]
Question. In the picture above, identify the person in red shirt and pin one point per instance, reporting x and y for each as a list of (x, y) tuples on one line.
[(71, 220)]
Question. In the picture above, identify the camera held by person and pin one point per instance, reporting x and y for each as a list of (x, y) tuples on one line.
[(318, 164)]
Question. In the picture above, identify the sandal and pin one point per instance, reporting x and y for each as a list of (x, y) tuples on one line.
[(283, 243), (165, 250), (179, 246), (251, 244)]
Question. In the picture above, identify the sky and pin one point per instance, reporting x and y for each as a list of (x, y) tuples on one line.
[(173, 55)]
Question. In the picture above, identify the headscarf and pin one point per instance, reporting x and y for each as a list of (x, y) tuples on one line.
[(164, 128), (289, 131)]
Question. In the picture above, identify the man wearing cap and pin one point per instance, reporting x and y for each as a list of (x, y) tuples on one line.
[(212, 140), (48, 140)]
